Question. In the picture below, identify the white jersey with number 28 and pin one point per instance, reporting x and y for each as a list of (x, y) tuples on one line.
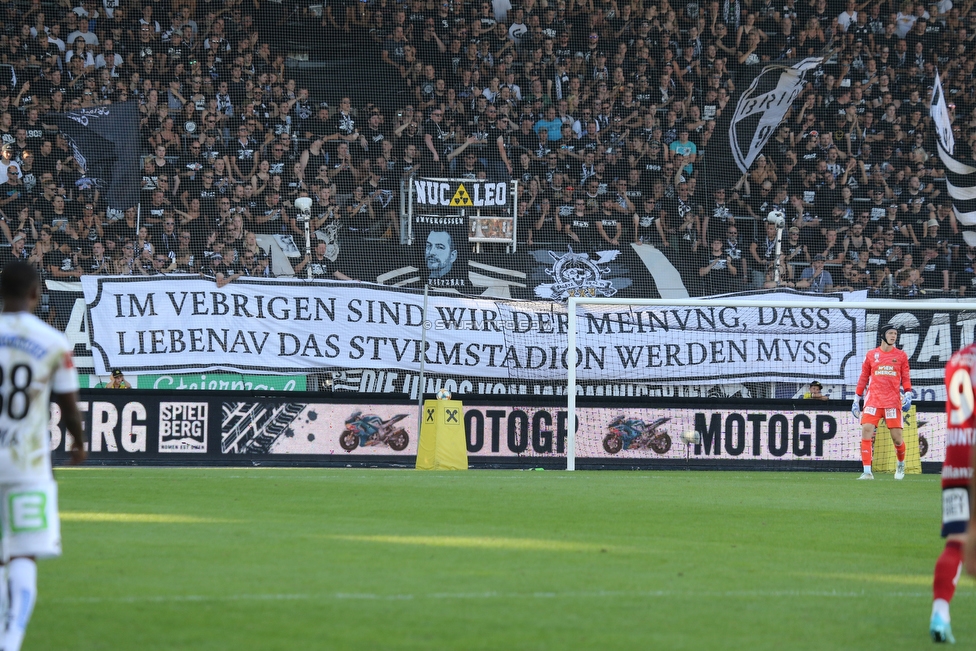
[(34, 360)]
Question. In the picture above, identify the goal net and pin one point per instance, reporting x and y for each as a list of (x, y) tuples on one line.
[(784, 340)]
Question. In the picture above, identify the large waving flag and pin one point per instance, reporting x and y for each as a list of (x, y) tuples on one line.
[(763, 105), (105, 141), (960, 172), (751, 118)]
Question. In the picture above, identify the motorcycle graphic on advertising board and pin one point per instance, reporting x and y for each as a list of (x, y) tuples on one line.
[(370, 429), (634, 434)]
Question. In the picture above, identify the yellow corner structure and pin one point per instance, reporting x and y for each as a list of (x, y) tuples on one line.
[(442, 443), (884, 450)]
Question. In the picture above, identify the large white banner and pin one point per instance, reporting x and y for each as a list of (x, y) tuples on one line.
[(156, 325)]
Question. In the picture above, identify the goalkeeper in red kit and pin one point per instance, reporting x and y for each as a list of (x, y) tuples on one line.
[(883, 391), (957, 473)]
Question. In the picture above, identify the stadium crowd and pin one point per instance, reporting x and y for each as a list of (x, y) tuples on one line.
[(604, 111)]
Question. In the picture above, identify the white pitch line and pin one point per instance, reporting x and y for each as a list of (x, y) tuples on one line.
[(459, 596)]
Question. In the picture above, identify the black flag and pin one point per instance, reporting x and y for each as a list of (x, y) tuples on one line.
[(105, 141), (750, 120)]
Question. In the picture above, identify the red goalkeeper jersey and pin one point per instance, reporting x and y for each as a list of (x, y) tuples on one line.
[(884, 374), (960, 419)]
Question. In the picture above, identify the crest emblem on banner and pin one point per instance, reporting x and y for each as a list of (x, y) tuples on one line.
[(576, 274), (461, 197)]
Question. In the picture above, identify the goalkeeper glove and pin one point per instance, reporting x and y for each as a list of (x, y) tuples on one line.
[(857, 406), (906, 401)]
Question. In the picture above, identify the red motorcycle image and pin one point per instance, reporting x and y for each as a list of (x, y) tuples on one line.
[(635, 434), (372, 430)]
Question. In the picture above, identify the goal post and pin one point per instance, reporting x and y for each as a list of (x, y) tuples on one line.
[(780, 338)]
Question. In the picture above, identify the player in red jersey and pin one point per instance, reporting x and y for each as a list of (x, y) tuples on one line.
[(884, 376), (957, 472), (969, 547)]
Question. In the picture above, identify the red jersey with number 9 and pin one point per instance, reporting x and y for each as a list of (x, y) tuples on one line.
[(960, 418)]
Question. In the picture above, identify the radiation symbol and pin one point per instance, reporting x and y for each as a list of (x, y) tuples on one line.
[(461, 197)]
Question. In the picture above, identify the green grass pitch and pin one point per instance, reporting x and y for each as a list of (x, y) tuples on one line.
[(299, 559)]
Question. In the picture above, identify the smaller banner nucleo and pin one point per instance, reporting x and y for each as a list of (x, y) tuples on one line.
[(460, 193)]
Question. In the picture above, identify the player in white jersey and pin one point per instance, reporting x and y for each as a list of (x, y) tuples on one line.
[(35, 367)]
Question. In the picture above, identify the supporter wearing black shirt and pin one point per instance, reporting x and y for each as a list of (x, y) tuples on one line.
[(204, 189), (153, 212), (301, 112), (810, 154), (471, 167), (650, 224), (342, 125), (581, 226), (608, 227), (591, 138), (374, 135), (437, 139), (636, 188), (242, 156), (270, 218), (934, 267), (651, 161), (408, 164), (717, 271), (45, 162), (319, 265), (499, 166), (210, 151), (43, 52), (125, 229), (278, 161), (526, 137), (33, 130), (6, 128), (964, 266), (167, 240), (342, 171), (477, 119), (526, 169), (62, 262), (142, 46), (192, 162), (410, 136), (237, 86), (877, 260), (16, 251)]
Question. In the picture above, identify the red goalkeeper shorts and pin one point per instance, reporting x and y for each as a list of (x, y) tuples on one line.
[(891, 416)]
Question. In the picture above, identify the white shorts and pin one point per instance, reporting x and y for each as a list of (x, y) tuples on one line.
[(30, 522)]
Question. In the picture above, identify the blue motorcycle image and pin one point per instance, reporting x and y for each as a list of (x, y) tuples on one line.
[(635, 434), (371, 430)]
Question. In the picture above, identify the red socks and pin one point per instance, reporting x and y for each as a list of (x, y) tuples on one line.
[(947, 570), (900, 451), (866, 453)]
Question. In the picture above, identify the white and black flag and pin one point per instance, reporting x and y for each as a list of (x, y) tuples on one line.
[(960, 171), (763, 105), (105, 143)]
